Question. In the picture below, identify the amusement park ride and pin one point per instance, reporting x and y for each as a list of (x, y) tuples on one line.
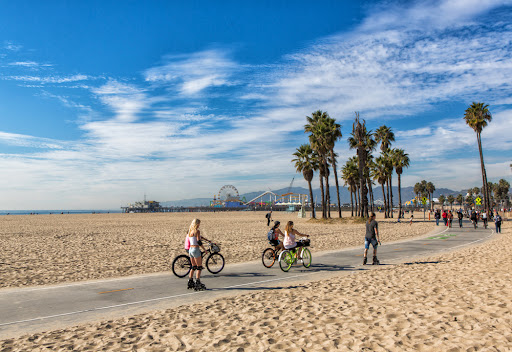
[(228, 196)]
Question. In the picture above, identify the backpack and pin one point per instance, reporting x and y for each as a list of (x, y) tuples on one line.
[(187, 243), (271, 235)]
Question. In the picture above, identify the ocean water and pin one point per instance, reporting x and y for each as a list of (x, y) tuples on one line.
[(28, 212)]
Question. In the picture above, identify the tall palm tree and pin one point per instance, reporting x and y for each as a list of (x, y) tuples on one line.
[(450, 200), (385, 136), (442, 199), (350, 175), (318, 131), (379, 173), (362, 141), (477, 117), (400, 160), (334, 135), (387, 158), (306, 161), (430, 189)]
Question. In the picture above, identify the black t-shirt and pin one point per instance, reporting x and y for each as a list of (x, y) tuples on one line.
[(370, 229)]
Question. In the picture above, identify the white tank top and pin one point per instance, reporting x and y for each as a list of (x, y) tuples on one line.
[(193, 240)]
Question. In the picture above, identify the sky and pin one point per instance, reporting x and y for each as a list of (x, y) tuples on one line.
[(102, 102)]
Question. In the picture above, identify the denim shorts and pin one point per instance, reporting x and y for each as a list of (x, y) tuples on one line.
[(372, 241), (194, 252)]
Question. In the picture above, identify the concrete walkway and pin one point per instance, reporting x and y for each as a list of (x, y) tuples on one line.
[(36, 309)]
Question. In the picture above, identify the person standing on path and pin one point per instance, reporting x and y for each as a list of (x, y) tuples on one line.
[(194, 238), (445, 218), (269, 217), (450, 218), (437, 216), (371, 237), (497, 222), (461, 216)]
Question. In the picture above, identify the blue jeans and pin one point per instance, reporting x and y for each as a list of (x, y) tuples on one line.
[(498, 228), (437, 222)]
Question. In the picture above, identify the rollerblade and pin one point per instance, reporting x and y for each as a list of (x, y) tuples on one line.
[(199, 286), (375, 261), (191, 284), (365, 260)]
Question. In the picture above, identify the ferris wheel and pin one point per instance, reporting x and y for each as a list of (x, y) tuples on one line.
[(228, 193)]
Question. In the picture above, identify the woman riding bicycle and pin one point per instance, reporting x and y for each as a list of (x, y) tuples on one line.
[(289, 238), (276, 232), (194, 238)]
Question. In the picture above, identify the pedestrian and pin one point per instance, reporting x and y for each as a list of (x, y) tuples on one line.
[(269, 217), (450, 218), (371, 237), (445, 218), (437, 215), (497, 222), (484, 218), (461, 216), (410, 222), (194, 240)]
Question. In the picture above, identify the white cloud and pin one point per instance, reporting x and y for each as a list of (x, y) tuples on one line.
[(125, 100), (50, 79), (31, 64), (194, 73), (11, 46)]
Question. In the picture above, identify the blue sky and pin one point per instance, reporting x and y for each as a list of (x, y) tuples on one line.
[(103, 101)]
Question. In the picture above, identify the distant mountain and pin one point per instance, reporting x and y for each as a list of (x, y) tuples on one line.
[(407, 194)]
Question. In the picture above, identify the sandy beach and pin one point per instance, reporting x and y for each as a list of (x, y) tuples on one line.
[(57, 248), (458, 301)]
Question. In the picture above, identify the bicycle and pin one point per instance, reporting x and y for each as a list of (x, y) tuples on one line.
[(182, 265), (288, 257), (269, 256)]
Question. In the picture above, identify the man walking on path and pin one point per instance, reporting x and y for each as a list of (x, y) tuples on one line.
[(269, 217), (497, 222), (445, 218), (437, 215), (371, 237), (461, 216)]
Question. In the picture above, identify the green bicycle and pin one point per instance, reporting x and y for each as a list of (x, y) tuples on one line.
[(288, 257)]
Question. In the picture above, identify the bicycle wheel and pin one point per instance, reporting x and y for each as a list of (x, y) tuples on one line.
[(268, 257), (306, 258), (181, 265), (215, 263), (285, 260)]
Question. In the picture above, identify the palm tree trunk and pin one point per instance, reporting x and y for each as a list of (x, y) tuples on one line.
[(327, 193), (391, 192), (370, 189), (358, 201), (362, 181), (486, 201), (351, 203), (385, 202), (322, 194), (336, 179), (312, 200), (399, 198)]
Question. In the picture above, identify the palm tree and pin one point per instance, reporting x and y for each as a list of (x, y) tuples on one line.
[(418, 189), (379, 173), (442, 199), (388, 161), (450, 200), (317, 128), (477, 116), (400, 161), (460, 199), (362, 141), (385, 136), (430, 189), (334, 134), (306, 161), (350, 175)]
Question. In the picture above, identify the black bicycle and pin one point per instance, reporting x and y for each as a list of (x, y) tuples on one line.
[(182, 265), (269, 256)]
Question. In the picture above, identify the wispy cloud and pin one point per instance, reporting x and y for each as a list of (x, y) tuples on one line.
[(194, 73), (31, 64), (49, 79), (11, 46)]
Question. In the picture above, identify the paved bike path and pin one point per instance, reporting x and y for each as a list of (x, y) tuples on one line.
[(35, 309)]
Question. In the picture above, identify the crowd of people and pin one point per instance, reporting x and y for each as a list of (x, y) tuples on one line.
[(473, 215)]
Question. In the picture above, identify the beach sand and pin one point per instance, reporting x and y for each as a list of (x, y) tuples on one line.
[(458, 301), (50, 249)]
